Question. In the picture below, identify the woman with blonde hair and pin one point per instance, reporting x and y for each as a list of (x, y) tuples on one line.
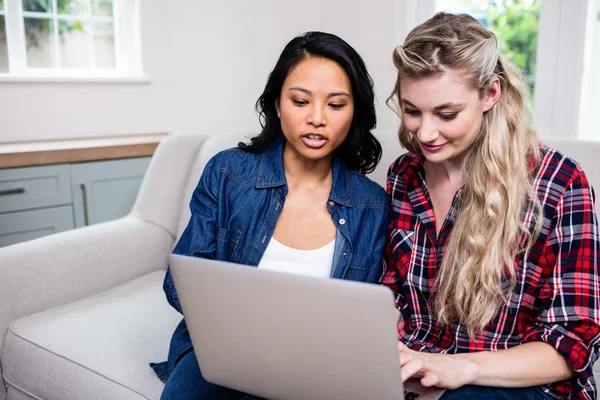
[(494, 246)]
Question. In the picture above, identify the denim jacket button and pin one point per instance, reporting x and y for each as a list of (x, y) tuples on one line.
[(331, 203), (342, 221), (277, 207)]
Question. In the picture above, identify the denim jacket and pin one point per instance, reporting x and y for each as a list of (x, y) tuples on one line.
[(235, 208)]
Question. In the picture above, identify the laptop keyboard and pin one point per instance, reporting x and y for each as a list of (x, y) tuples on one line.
[(411, 395)]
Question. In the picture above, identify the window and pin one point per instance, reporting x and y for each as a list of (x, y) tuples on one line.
[(3, 47), (69, 39), (515, 23), (590, 105)]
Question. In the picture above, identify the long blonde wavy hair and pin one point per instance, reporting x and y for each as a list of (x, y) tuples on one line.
[(489, 231)]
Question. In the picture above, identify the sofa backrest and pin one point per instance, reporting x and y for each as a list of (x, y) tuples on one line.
[(162, 189), (585, 153)]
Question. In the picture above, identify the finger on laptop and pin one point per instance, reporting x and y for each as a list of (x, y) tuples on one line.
[(412, 368), (430, 379), (406, 358)]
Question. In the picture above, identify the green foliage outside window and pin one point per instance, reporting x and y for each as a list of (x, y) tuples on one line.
[(37, 27), (515, 22), (63, 6)]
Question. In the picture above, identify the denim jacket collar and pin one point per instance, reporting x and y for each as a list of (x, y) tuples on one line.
[(271, 174)]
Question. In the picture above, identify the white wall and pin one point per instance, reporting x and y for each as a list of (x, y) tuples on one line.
[(369, 27), (208, 61)]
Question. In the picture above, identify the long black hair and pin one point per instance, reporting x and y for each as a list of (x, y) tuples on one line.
[(360, 151)]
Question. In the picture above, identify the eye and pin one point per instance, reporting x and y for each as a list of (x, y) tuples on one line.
[(448, 117), (412, 112), (299, 103), (336, 106)]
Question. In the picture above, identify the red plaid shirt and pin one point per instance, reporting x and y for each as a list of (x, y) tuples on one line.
[(557, 296)]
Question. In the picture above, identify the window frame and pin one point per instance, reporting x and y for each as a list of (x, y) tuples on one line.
[(128, 55)]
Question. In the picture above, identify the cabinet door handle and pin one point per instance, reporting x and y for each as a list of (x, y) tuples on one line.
[(7, 192), (86, 219)]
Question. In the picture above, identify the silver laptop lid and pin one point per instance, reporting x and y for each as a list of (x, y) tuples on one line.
[(284, 336)]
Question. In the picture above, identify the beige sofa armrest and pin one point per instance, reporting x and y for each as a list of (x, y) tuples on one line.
[(72, 265), (68, 266)]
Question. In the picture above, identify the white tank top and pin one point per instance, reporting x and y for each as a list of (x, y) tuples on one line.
[(279, 257)]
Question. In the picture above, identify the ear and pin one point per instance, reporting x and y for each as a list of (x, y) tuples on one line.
[(492, 95), (277, 108)]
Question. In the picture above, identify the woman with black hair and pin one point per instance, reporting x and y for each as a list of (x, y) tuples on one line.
[(295, 198)]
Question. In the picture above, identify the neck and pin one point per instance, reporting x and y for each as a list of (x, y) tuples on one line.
[(449, 171), (308, 172)]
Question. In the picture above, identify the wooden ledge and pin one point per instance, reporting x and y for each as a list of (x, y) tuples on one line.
[(27, 154)]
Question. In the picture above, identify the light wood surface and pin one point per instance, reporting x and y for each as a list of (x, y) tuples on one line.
[(66, 151)]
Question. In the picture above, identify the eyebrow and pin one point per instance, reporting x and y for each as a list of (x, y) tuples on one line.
[(440, 107), (333, 94)]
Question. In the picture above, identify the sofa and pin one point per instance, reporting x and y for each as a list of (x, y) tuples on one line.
[(82, 312)]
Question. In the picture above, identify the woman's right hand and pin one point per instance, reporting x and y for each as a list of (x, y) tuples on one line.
[(441, 370)]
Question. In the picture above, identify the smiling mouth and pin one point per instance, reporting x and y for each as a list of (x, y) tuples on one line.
[(430, 147)]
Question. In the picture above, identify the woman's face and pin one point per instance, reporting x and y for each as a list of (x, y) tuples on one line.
[(444, 113), (315, 108)]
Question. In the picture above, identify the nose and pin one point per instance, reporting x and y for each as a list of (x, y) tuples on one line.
[(316, 116), (427, 131)]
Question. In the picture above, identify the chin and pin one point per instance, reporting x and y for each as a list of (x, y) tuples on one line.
[(315, 155), (435, 158)]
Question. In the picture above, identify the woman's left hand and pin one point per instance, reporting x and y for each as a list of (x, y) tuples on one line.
[(441, 370)]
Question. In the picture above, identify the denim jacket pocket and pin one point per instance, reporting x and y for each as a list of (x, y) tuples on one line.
[(359, 268), (227, 243)]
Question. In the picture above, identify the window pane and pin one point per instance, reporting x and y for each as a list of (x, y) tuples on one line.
[(102, 8), (74, 47), (40, 46), (104, 44), (37, 5), (1, 4), (72, 7), (3, 48)]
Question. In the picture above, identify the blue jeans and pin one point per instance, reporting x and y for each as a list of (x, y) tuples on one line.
[(494, 393), (187, 383)]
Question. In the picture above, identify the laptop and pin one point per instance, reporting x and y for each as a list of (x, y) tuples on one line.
[(285, 336)]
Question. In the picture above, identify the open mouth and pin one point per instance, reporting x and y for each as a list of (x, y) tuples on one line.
[(314, 140)]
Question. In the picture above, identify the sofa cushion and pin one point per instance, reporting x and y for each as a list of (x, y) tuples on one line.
[(97, 348)]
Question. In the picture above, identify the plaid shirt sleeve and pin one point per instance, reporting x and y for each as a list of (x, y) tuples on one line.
[(393, 280), (569, 297), (392, 277)]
